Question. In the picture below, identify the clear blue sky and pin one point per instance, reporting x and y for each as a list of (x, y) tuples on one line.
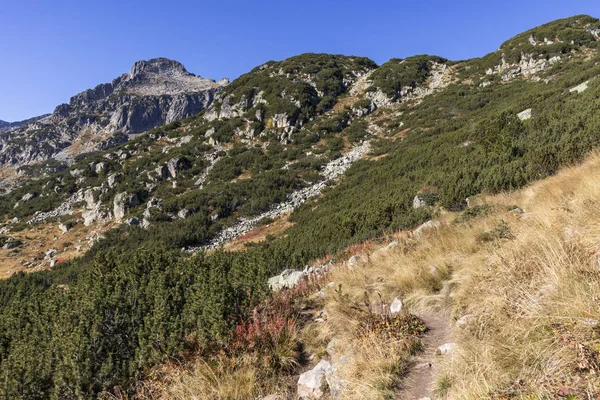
[(51, 50)]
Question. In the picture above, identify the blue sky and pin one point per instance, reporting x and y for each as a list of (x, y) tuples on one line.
[(51, 50)]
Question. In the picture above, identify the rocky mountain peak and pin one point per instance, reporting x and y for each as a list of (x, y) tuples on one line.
[(160, 66), (155, 92)]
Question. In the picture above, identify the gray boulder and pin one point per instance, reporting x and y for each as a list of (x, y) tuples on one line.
[(122, 202), (525, 114), (287, 279), (95, 214), (100, 167), (162, 172), (418, 202), (113, 179), (27, 197), (175, 165), (353, 261), (90, 197), (184, 213), (313, 384)]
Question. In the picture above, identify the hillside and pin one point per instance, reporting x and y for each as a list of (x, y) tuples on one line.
[(293, 165), (508, 290)]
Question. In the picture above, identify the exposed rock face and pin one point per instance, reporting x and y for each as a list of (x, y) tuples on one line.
[(123, 201), (153, 93), (528, 66), (9, 126)]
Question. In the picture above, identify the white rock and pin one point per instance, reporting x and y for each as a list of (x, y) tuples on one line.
[(28, 196), (100, 167), (312, 384), (525, 115), (184, 213), (121, 202), (418, 202), (113, 179), (396, 306), (287, 279), (273, 397), (580, 88)]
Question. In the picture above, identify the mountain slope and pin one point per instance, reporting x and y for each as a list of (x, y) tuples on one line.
[(314, 154)]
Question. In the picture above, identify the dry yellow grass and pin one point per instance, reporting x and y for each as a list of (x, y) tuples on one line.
[(534, 298)]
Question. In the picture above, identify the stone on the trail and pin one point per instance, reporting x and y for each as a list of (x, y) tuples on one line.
[(287, 279), (312, 384), (63, 227), (396, 306), (446, 348)]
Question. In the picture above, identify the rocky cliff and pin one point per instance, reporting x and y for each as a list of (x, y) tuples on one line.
[(153, 93)]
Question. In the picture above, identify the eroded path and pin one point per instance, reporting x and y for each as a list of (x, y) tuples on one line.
[(419, 382)]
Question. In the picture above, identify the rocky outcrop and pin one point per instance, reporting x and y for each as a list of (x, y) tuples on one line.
[(153, 93), (313, 384), (527, 66), (9, 126), (287, 279), (122, 202)]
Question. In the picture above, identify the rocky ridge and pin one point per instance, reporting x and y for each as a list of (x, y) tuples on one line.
[(153, 93)]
